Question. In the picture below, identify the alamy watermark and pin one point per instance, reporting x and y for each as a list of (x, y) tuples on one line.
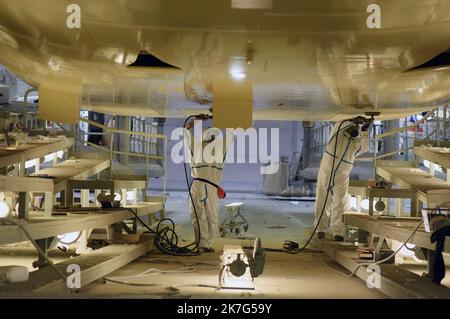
[(73, 280), (211, 145), (374, 19), (374, 278), (73, 20)]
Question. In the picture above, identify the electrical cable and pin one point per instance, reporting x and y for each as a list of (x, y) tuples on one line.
[(392, 255), (129, 283), (187, 268), (281, 250), (332, 268), (162, 241), (41, 253), (197, 241), (377, 262), (166, 239), (333, 171)]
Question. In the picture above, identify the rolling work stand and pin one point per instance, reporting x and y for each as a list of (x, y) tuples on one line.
[(235, 221)]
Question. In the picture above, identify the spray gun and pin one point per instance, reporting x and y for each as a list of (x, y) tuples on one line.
[(361, 122), (203, 117)]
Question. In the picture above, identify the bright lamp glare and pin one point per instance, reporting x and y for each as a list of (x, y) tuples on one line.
[(29, 164), (353, 202), (48, 158), (69, 238), (238, 75), (5, 209), (130, 195), (365, 204)]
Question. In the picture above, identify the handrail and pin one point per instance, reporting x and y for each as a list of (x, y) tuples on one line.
[(108, 133), (123, 152), (395, 152), (414, 127), (119, 131), (431, 134), (406, 128), (111, 131)]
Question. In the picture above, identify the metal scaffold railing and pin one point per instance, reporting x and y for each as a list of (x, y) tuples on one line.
[(432, 124), (142, 145)]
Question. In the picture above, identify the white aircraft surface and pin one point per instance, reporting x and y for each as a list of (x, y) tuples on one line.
[(305, 59)]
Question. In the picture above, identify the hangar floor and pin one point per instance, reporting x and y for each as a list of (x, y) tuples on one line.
[(306, 275), (285, 276)]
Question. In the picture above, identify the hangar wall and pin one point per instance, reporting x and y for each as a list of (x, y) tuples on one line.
[(238, 177)]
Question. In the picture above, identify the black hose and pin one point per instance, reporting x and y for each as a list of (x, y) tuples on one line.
[(166, 238), (331, 180)]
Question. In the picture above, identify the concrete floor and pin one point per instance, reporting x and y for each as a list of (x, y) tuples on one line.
[(305, 275)]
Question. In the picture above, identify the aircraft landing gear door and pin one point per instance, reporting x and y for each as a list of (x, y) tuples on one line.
[(232, 101)]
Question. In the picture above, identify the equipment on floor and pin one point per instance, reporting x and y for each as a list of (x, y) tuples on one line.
[(235, 222), (239, 269), (5, 209), (290, 245), (107, 201), (380, 206), (13, 274)]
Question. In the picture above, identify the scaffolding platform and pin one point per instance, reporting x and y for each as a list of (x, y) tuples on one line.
[(25, 184), (32, 149), (437, 155), (94, 265), (413, 178), (361, 189), (72, 169), (395, 281), (394, 228), (41, 227)]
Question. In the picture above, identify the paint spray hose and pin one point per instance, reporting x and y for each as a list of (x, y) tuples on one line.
[(166, 238), (289, 247)]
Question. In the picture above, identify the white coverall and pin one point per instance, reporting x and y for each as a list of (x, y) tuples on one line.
[(204, 195), (338, 199)]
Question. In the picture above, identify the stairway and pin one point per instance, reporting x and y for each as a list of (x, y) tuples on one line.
[(428, 174)]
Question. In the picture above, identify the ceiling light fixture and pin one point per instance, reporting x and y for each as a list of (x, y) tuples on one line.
[(251, 4), (238, 75)]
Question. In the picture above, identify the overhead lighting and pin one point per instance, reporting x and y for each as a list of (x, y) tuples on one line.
[(251, 4), (238, 75)]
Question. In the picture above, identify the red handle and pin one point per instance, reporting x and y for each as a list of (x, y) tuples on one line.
[(221, 193)]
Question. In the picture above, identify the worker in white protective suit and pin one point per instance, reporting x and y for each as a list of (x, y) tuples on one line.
[(207, 157), (352, 140)]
